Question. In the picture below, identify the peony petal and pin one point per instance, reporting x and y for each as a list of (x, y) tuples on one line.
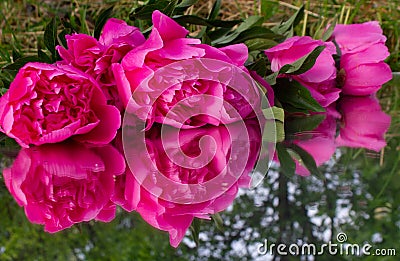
[(105, 131), (168, 28), (366, 79)]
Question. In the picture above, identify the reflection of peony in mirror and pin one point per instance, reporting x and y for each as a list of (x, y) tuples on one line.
[(187, 174), (363, 123), (62, 184)]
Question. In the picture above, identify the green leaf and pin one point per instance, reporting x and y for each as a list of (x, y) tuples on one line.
[(219, 223), (290, 23), (296, 98), (288, 166), (260, 66), (18, 64), (50, 37), (218, 33), (247, 24), (300, 123), (144, 12), (274, 113), (215, 9), (259, 44), (61, 37), (253, 33), (192, 19), (274, 116), (169, 9), (328, 33), (16, 54), (307, 160), (43, 56), (101, 21), (186, 3), (306, 62), (195, 230), (300, 66)]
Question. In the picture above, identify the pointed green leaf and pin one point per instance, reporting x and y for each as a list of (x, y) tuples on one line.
[(306, 62), (307, 160), (18, 64), (260, 66), (300, 66), (192, 19), (195, 230), (300, 123), (101, 21), (274, 113), (215, 10), (61, 37), (186, 3), (50, 38), (253, 33), (328, 33), (144, 12), (247, 24), (288, 166), (219, 223), (290, 23), (43, 56), (296, 98), (259, 44)]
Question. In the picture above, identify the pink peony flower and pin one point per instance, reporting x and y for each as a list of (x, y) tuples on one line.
[(205, 85), (48, 104), (363, 70), (363, 123), (96, 57), (320, 79), (170, 185), (62, 184)]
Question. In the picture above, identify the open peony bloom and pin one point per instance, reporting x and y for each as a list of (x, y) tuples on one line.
[(62, 184), (48, 104), (95, 58), (363, 70), (363, 123), (320, 79), (185, 174), (178, 81)]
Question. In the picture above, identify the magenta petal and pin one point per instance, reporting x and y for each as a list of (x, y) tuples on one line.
[(237, 52), (107, 214), (168, 28), (355, 37), (366, 79), (116, 30), (105, 131)]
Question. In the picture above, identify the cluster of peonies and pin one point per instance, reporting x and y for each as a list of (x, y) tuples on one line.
[(66, 116), (78, 103), (346, 90)]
